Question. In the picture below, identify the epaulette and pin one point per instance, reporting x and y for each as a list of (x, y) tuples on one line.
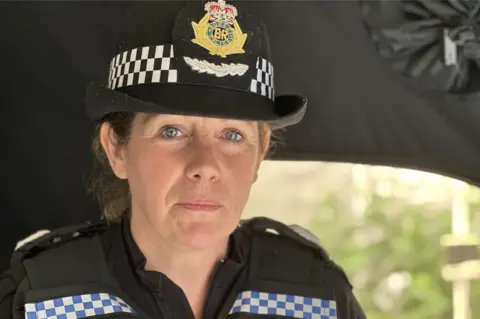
[(295, 233), (46, 239)]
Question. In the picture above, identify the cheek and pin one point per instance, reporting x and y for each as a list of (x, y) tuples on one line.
[(242, 175), (151, 173)]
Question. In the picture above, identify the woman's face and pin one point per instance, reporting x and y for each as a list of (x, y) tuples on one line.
[(190, 177)]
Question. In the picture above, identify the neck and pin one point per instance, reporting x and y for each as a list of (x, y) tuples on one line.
[(189, 268)]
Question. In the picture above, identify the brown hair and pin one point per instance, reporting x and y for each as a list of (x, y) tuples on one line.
[(113, 193)]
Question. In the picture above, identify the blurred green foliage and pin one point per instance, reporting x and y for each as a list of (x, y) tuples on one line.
[(394, 242)]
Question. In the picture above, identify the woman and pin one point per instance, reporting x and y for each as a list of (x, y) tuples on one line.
[(182, 129), (189, 179)]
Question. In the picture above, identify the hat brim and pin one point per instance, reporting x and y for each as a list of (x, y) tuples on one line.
[(195, 100)]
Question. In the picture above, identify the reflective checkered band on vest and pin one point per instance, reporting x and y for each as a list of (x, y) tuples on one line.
[(76, 307), (265, 303)]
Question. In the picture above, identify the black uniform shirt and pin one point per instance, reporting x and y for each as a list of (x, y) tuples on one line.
[(156, 295), (153, 291)]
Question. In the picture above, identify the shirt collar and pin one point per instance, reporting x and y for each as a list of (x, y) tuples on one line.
[(236, 257)]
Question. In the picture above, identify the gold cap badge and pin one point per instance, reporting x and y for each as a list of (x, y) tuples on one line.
[(219, 31)]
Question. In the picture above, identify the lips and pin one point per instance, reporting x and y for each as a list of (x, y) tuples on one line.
[(201, 205)]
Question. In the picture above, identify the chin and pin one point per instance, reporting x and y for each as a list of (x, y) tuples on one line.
[(201, 242), (203, 234)]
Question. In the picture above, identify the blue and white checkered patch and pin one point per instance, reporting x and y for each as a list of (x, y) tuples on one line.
[(265, 303), (76, 307)]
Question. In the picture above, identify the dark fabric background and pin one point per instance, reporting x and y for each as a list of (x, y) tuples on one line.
[(359, 110)]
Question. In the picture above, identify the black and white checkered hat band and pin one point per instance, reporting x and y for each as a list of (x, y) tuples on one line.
[(156, 64), (150, 64), (263, 83)]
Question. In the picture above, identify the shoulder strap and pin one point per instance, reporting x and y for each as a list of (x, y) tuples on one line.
[(261, 225), (42, 241), (81, 260), (70, 263), (64, 262), (273, 241), (284, 264), (65, 255), (52, 239)]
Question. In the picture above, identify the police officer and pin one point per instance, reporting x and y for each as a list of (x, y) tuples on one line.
[(182, 128)]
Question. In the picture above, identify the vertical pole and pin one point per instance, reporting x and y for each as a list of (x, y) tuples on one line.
[(461, 298), (460, 229)]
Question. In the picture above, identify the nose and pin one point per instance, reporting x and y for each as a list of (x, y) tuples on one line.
[(204, 164)]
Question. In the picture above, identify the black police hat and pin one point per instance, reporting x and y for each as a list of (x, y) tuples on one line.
[(195, 58)]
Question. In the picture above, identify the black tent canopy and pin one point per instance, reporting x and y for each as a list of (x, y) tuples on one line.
[(360, 109)]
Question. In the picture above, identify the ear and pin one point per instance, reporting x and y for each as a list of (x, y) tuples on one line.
[(267, 140), (115, 153), (257, 167)]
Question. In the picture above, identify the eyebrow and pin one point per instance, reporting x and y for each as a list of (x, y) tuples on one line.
[(148, 117)]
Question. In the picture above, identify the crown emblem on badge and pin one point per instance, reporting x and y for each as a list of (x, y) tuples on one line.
[(218, 31)]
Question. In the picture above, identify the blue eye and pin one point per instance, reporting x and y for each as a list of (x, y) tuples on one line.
[(234, 136), (171, 132)]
